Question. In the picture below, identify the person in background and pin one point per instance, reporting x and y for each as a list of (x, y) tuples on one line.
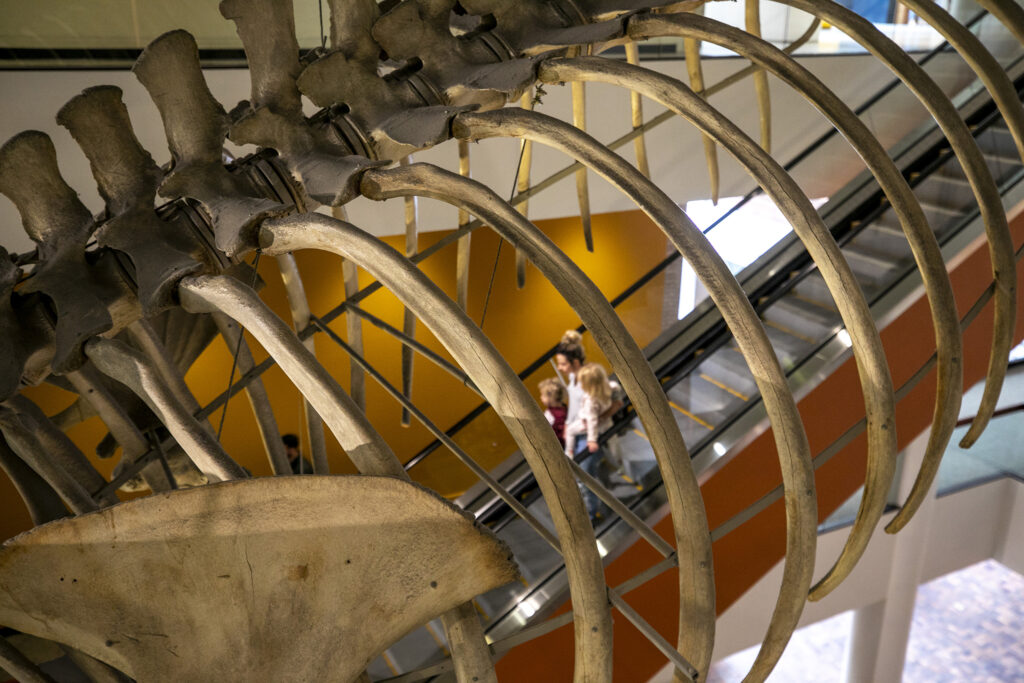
[(552, 397), (569, 358), (291, 448)]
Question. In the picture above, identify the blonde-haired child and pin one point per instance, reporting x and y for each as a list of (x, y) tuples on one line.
[(599, 393), (552, 397), (601, 399)]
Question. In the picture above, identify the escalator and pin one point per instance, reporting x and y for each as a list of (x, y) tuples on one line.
[(712, 393)]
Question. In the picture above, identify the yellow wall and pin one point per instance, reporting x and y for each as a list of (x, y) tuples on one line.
[(522, 324)]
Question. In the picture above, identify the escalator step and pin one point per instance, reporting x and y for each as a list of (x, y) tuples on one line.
[(941, 191), (871, 269), (705, 398), (728, 367), (801, 318), (1002, 166), (940, 208), (882, 238), (788, 348), (813, 287), (997, 140)]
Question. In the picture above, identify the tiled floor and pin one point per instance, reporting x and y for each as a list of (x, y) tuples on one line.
[(968, 628)]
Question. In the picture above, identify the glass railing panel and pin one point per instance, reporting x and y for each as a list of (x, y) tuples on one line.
[(996, 453)]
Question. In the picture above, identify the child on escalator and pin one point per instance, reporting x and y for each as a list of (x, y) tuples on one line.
[(601, 399), (552, 397)]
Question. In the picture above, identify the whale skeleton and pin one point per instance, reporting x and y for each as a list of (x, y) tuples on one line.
[(190, 256)]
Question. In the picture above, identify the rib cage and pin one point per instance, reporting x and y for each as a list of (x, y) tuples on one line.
[(192, 253)]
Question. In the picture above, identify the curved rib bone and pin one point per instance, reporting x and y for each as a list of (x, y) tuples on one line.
[(43, 503), (1009, 13), (513, 404), (145, 339), (579, 119), (131, 368), (872, 368), (361, 442), (626, 359), (89, 385), (1004, 94), (973, 165), (691, 49), (923, 243), (636, 107), (752, 22), (299, 305), (791, 440), (53, 456), (522, 185), (691, 52), (353, 323)]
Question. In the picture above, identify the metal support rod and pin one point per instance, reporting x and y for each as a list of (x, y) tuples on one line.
[(259, 400), (464, 245), (523, 184), (624, 513), (427, 353), (88, 383), (162, 457), (129, 473), (463, 457), (649, 632), (408, 318)]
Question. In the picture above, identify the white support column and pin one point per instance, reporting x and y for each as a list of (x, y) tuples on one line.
[(880, 631)]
